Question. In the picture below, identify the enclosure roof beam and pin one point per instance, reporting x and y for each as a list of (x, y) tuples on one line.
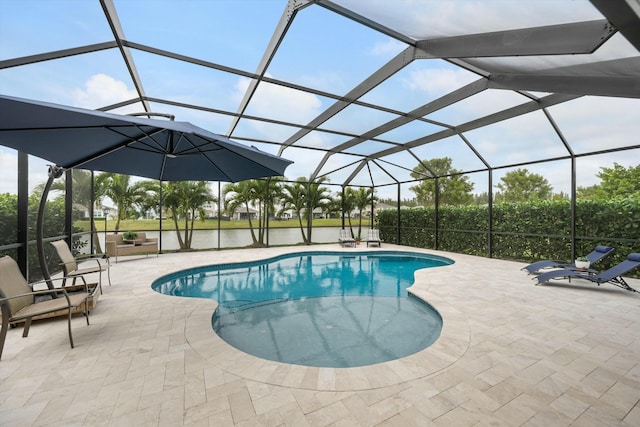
[(516, 111), (118, 33), (393, 66), (614, 86), (57, 54), (564, 39), (442, 102), (624, 15), (292, 8)]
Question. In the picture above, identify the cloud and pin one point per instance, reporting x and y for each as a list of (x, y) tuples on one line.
[(386, 48), (438, 81), (280, 103), (8, 165), (101, 90)]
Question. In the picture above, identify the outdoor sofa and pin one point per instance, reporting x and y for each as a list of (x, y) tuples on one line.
[(117, 245)]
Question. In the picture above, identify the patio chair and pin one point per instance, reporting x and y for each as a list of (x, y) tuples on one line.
[(70, 264), (373, 237), (594, 256), (612, 276), (18, 301), (345, 238)]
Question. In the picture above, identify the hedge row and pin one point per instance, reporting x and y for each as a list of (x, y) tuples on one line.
[(526, 232)]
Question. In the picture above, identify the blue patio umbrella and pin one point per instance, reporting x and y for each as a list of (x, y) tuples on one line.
[(165, 150)]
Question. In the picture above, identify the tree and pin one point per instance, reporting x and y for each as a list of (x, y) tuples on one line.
[(590, 192), (293, 198), (119, 189), (81, 195), (8, 218), (362, 197), (240, 194), (333, 207), (317, 196), (348, 202), (266, 193), (53, 225), (260, 194), (619, 181), (520, 185), (453, 188), (149, 198), (185, 200)]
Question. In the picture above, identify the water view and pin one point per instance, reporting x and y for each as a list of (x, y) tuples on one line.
[(208, 239)]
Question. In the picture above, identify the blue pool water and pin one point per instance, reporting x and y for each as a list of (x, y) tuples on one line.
[(329, 309)]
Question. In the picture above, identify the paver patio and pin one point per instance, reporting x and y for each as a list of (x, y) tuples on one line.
[(510, 354)]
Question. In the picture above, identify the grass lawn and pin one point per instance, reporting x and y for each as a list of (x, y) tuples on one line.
[(208, 224)]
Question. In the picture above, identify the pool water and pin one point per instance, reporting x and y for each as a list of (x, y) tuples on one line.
[(317, 308)]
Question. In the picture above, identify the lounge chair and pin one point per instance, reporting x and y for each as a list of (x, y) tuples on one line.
[(373, 237), (612, 276), (18, 301), (594, 256), (345, 238), (70, 264)]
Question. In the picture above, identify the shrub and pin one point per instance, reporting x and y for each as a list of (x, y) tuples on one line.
[(525, 231)]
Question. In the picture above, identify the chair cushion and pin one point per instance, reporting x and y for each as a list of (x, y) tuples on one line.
[(50, 306), (13, 283), (634, 257)]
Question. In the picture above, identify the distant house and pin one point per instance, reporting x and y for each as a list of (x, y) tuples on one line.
[(242, 213), (317, 213), (384, 207), (99, 211), (366, 212), (210, 210)]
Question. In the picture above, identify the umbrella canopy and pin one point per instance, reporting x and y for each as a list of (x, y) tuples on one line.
[(158, 149)]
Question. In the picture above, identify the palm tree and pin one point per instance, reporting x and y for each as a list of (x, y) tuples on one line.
[(293, 198), (119, 189), (81, 195), (363, 197), (303, 195), (267, 193), (149, 199), (256, 193), (241, 193), (348, 205), (317, 197), (185, 199)]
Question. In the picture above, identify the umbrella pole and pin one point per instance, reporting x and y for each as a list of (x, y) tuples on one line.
[(54, 172)]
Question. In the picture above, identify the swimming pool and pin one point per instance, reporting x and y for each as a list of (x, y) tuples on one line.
[(327, 309)]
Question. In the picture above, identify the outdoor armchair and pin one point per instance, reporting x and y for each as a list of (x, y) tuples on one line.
[(70, 264), (18, 301)]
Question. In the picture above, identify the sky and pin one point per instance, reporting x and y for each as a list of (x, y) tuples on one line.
[(324, 51)]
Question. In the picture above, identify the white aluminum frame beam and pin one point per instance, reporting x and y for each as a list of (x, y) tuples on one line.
[(564, 39)]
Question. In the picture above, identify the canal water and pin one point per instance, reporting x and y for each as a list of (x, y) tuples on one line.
[(208, 239)]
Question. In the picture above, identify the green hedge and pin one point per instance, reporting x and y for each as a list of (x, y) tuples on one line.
[(53, 225), (521, 231)]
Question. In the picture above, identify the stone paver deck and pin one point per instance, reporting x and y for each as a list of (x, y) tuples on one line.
[(510, 354)]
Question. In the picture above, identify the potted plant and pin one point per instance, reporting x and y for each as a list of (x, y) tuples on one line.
[(582, 262), (129, 235)]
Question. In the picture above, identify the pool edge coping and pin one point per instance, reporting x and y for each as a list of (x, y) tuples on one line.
[(452, 344)]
